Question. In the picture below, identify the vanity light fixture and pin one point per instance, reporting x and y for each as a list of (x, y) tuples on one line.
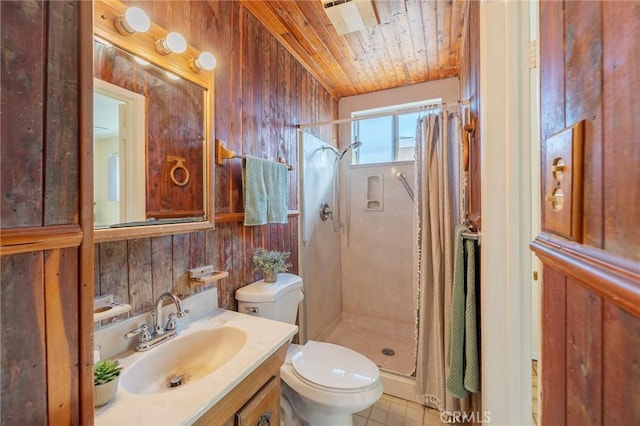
[(172, 43), (135, 20), (204, 62)]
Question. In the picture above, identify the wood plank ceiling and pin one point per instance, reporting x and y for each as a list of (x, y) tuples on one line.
[(416, 41)]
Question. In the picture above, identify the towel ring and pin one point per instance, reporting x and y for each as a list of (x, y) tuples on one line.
[(178, 166)]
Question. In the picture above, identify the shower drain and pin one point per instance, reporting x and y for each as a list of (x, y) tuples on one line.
[(388, 352)]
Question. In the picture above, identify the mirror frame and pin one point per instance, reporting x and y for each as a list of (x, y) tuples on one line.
[(142, 45)]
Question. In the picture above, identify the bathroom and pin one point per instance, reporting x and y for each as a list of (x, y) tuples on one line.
[(54, 263)]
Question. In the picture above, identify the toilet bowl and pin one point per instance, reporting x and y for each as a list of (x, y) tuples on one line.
[(324, 384)]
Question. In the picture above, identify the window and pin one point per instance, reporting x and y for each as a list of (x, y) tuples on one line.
[(386, 138)]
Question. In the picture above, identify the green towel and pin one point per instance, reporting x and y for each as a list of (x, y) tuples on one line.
[(464, 368), (455, 381), (265, 191), (471, 367)]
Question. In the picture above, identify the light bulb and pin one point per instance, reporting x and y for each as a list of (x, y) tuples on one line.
[(176, 43), (173, 42), (172, 76), (134, 20), (204, 61)]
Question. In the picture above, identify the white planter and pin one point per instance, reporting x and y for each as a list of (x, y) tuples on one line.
[(105, 392)]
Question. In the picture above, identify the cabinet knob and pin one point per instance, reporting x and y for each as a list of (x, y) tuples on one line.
[(265, 419)]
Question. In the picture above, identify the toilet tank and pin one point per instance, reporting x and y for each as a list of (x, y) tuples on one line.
[(277, 301)]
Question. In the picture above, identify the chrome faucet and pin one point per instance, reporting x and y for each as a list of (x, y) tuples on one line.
[(147, 339), (157, 314)]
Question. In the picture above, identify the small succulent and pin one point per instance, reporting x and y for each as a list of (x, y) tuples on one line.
[(105, 371), (271, 260)]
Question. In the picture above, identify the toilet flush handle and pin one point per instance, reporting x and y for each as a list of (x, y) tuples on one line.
[(252, 309)]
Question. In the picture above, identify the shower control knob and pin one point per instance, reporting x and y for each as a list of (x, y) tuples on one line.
[(325, 212)]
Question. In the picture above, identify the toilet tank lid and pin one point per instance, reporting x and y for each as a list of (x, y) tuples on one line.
[(269, 292)]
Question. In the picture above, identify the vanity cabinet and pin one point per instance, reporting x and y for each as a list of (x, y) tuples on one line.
[(256, 395), (264, 408)]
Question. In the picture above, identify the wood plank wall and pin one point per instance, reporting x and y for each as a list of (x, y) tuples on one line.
[(45, 369), (591, 291), (470, 89), (261, 94)]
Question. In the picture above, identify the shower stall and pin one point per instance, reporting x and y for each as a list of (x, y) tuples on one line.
[(357, 252)]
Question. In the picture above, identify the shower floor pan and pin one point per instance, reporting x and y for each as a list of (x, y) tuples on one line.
[(373, 342)]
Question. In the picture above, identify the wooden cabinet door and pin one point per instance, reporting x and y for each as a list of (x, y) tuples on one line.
[(264, 408)]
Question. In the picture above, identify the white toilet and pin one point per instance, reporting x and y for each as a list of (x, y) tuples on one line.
[(323, 383)]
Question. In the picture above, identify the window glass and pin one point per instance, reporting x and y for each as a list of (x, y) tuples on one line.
[(406, 135), (390, 137), (375, 135)]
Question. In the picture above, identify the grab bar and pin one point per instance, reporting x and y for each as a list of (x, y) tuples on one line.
[(403, 178)]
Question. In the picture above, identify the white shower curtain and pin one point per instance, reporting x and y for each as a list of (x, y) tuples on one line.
[(438, 210)]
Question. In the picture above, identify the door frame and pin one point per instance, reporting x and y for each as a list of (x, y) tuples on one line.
[(506, 185)]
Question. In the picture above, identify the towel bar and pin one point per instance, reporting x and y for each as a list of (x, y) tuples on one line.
[(475, 236), (223, 153)]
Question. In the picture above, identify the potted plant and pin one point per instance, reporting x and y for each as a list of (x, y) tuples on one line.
[(105, 380), (271, 262)]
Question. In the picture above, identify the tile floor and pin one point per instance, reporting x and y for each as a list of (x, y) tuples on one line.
[(392, 411)]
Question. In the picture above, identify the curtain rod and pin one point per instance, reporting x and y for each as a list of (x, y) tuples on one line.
[(385, 114)]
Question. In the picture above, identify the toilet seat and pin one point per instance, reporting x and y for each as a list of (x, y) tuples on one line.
[(312, 397), (334, 368)]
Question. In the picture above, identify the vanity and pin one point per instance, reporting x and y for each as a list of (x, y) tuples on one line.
[(228, 366)]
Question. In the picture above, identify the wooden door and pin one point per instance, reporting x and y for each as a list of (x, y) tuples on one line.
[(590, 365)]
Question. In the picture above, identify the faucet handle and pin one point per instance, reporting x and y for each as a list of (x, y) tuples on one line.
[(143, 331), (171, 322)]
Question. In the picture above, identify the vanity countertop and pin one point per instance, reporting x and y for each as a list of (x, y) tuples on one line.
[(184, 405)]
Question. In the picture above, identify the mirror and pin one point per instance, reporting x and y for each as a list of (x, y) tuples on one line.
[(152, 162)]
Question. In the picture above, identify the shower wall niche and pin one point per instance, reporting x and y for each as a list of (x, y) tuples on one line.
[(375, 193)]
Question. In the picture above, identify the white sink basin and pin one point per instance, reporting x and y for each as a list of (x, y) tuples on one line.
[(227, 344), (183, 360)]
